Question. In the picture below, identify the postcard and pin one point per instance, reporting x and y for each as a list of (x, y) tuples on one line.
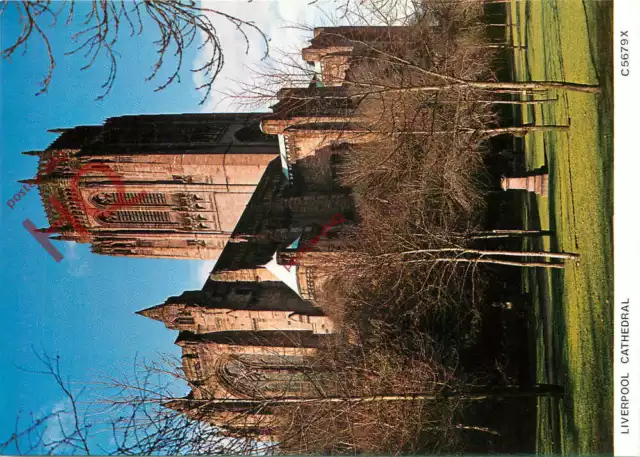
[(328, 227)]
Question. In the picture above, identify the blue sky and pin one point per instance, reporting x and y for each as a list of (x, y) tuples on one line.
[(82, 308)]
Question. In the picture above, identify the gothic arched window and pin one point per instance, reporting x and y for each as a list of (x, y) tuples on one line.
[(265, 376), (129, 198), (137, 217)]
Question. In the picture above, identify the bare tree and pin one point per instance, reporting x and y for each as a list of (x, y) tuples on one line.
[(179, 25), (32, 438), (419, 265), (142, 414), (131, 413)]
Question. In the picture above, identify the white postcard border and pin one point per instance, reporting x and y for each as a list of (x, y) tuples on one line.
[(626, 228)]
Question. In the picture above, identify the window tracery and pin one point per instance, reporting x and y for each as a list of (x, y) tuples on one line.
[(185, 320), (139, 217), (265, 377), (129, 198)]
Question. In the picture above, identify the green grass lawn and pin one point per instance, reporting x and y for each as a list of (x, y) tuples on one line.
[(569, 40)]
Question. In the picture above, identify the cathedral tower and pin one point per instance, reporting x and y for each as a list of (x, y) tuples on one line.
[(155, 185)]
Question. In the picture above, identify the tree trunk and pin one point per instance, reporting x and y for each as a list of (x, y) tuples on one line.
[(494, 102), (520, 130), (477, 429), (501, 46), (537, 390), (499, 86), (486, 25), (509, 263), (491, 234), (483, 133), (552, 255)]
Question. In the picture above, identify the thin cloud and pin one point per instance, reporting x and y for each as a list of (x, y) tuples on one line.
[(76, 263), (275, 19), (201, 270), (57, 429)]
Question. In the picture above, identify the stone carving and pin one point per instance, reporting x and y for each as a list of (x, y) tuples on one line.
[(183, 179), (188, 201), (105, 199)]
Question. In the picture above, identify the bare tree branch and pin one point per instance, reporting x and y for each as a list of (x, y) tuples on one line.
[(177, 23)]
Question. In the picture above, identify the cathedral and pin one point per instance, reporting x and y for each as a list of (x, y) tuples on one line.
[(258, 192)]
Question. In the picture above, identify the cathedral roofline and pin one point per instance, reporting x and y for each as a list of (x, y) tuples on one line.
[(157, 312), (254, 338), (153, 312), (64, 238), (179, 404), (48, 230), (185, 336)]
